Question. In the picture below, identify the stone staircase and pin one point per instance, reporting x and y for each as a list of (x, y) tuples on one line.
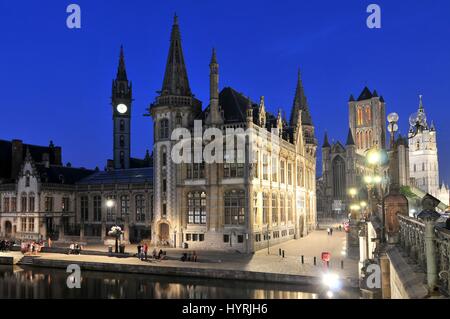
[(27, 261)]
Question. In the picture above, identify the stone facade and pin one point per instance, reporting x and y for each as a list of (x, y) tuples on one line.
[(423, 156), (223, 206)]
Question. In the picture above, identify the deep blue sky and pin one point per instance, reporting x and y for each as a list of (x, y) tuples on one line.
[(56, 83)]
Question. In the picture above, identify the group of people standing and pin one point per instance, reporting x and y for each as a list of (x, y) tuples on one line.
[(5, 245), (142, 252), (32, 248)]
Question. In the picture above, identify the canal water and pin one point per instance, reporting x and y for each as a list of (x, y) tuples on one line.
[(42, 283)]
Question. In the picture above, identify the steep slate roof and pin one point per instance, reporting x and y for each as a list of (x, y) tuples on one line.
[(62, 174), (175, 78), (365, 94), (36, 153), (126, 176)]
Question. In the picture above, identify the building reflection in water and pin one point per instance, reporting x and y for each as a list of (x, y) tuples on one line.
[(41, 283)]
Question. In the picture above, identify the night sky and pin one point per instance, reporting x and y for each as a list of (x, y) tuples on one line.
[(56, 83)]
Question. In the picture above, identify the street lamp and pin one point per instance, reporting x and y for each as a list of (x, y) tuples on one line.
[(353, 192), (110, 203), (393, 126)]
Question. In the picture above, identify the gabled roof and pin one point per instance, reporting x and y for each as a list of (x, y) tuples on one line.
[(125, 176)]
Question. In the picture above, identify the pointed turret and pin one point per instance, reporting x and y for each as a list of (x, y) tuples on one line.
[(262, 112), (326, 143), (249, 111), (215, 114), (121, 86), (350, 139), (121, 70), (300, 105), (352, 98), (365, 94), (175, 78)]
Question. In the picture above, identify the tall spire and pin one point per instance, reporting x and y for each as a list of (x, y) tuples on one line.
[(214, 56), (300, 104), (121, 70), (326, 143), (350, 139), (421, 109), (175, 78)]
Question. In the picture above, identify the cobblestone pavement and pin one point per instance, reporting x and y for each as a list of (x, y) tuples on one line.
[(310, 246)]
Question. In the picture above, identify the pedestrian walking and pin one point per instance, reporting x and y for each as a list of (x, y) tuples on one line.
[(145, 251), (328, 231), (331, 231), (139, 251)]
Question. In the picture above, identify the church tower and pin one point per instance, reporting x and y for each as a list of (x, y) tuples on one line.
[(367, 121), (121, 102), (175, 107), (423, 153)]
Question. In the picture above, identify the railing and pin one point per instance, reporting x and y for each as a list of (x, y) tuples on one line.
[(412, 241)]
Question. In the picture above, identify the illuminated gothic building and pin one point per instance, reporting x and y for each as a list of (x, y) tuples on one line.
[(344, 166), (238, 206), (232, 206), (423, 155)]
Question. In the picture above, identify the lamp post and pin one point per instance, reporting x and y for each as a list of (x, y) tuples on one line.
[(376, 158)]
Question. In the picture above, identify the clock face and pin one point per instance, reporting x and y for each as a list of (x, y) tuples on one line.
[(122, 108)]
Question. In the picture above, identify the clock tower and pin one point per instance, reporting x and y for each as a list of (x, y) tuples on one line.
[(121, 103)]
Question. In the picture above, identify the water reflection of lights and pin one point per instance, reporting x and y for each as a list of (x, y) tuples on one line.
[(331, 281)]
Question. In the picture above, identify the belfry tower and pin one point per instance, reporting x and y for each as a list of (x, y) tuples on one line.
[(121, 102)]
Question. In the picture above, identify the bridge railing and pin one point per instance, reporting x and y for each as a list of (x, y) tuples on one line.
[(412, 241)]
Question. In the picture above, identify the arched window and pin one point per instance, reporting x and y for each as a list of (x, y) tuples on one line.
[(289, 209), (31, 202), (366, 144), (164, 128), (122, 141), (23, 203), (368, 115), (339, 183), (97, 208), (122, 125), (282, 208), (274, 209), (359, 115), (124, 205), (140, 208), (197, 208), (265, 208), (235, 207)]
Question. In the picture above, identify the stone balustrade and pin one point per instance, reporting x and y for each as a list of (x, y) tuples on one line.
[(412, 241)]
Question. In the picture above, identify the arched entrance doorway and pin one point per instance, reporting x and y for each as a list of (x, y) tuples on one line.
[(8, 229), (164, 233)]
